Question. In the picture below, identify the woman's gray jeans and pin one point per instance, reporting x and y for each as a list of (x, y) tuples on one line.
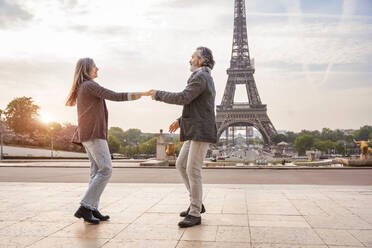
[(100, 171)]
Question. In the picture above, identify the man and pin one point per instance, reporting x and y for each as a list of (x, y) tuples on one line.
[(198, 128)]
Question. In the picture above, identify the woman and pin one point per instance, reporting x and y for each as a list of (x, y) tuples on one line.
[(92, 131)]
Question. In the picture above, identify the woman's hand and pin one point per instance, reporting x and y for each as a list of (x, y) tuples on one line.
[(135, 95), (174, 126)]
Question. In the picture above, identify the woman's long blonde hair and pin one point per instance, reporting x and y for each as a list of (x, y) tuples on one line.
[(83, 69)]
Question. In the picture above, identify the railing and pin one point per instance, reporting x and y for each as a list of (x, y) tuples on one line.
[(241, 106)]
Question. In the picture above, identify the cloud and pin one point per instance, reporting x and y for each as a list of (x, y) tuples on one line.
[(69, 4), (363, 7), (189, 3), (101, 30), (338, 81), (12, 14), (31, 74), (348, 7), (295, 104), (314, 43), (319, 6)]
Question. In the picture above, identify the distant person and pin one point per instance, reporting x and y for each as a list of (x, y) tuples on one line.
[(92, 131), (198, 128)]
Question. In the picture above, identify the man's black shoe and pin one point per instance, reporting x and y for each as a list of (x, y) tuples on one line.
[(185, 213), (86, 214), (190, 221), (99, 216)]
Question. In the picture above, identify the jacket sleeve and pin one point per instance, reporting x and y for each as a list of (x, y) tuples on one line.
[(193, 89), (101, 92)]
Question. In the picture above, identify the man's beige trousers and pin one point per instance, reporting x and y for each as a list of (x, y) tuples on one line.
[(189, 163)]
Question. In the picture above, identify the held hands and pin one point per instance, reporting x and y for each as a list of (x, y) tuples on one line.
[(174, 126), (138, 95), (151, 93)]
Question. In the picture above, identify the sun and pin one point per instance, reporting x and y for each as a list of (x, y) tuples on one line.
[(46, 118)]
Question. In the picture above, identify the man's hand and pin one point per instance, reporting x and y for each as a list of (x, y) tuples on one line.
[(174, 126), (151, 93)]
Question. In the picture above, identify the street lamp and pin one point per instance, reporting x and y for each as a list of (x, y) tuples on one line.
[(51, 141), (345, 149), (2, 127), (48, 120)]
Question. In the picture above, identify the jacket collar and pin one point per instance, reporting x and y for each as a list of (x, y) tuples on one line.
[(203, 68)]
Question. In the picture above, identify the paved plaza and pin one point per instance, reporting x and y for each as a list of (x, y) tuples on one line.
[(146, 215)]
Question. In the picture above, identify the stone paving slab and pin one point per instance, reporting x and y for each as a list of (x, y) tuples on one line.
[(146, 215)]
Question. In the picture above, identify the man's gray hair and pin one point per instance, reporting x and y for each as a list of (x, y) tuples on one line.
[(206, 54)]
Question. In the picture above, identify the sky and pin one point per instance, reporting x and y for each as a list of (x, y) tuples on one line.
[(313, 58)]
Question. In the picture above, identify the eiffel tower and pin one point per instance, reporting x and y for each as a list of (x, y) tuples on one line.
[(248, 114)]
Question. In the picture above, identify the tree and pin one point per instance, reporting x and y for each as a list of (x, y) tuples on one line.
[(2, 123), (174, 139), (333, 135), (22, 115), (291, 137), (339, 135), (257, 141), (124, 150), (339, 147), (303, 143), (54, 127), (324, 145), (315, 133), (279, 138), (148, 147), (119, 134), (326, 134), (64, 136), (132, 150), (133, 136), (349, 138), (114, 144), (129, 151), (363, 133)]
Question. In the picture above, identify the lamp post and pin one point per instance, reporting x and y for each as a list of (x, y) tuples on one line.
[(2, 151), (2, 136), (51, 142), (48, 121), (345, 149)]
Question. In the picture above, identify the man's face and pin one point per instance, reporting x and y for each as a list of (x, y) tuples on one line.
[(195, 61)]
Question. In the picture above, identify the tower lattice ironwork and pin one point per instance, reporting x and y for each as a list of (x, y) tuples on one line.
[(251, 113)]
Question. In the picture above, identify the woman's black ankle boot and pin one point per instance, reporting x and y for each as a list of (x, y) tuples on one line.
[(99, 216), (86, 214)]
